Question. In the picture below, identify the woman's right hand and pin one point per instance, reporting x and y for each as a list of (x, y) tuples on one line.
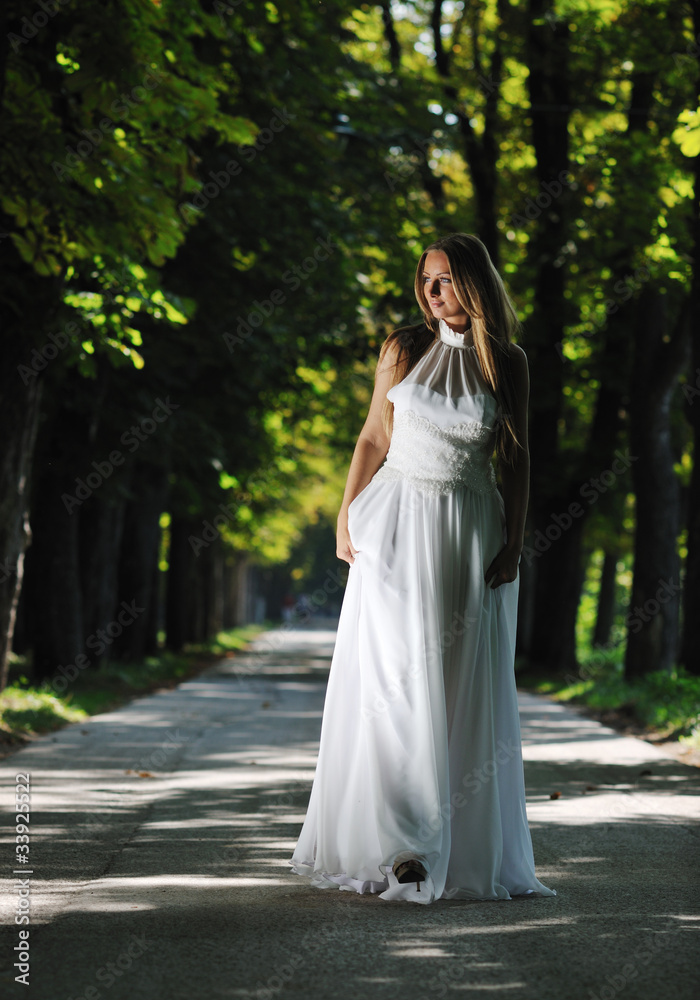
[(344, 548), (370, 451)]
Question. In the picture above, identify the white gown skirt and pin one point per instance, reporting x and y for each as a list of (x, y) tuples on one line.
[(419, 752)]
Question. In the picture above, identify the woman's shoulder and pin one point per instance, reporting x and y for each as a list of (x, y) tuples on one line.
[(516, 352), (517, 363), (516, 356)]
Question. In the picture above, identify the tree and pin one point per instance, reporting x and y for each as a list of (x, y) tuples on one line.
[(93, 172)]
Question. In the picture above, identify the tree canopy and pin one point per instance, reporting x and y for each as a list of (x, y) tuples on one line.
[(210, 219)]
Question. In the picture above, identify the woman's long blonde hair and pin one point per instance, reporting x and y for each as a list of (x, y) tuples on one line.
[(480, 290)]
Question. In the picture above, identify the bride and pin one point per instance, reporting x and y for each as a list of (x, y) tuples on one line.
[(418, 792)]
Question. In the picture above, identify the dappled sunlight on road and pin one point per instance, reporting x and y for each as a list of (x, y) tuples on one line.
[(172, 820)]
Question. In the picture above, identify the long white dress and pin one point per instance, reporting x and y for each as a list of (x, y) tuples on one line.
[(420, 752)]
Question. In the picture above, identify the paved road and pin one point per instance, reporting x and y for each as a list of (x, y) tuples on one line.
[(161, 832)]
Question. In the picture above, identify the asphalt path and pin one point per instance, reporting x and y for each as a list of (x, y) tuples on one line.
[(160, 833)]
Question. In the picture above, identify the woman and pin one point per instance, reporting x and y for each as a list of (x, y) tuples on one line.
[(418, 792)]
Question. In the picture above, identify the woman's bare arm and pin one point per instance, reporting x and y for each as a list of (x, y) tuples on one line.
[(370, 451)]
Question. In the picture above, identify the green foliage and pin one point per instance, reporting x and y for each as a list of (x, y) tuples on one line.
[(668, 703), (588, 607), (687, 135), (101, 105), (234, 640), (26, 710), (174, 172)]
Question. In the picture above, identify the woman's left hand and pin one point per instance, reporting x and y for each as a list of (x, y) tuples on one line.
[(504, 568)]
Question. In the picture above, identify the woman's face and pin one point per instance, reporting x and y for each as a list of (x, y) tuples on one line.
[(439, 293)]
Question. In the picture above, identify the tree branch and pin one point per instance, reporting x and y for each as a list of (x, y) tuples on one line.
[(390, 34)]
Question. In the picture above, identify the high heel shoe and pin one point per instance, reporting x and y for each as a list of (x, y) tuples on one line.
[(410, 871)]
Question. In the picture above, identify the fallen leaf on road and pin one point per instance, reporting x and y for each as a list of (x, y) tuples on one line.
[(555, 795)]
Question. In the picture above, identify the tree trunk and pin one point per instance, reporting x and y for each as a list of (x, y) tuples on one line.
[(690, 652), (553, 634), (653, 615), (139, 556), (526, 597), (181, 584), (390, 34), (19, 415), (28, 304), (481, 152), (229, 590), (155, 617), (54, 591), (101, 536), (240, 607), (206, 599), (557, 566), (560, 572), (71, 585), (216, 609), (605, 614)]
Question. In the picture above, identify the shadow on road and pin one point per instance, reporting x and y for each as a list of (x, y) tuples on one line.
[(161, 834)]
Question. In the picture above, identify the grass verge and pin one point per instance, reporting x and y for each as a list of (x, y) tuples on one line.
[(28, 710), (660, 705)]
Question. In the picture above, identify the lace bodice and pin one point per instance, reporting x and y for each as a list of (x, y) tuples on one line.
[(445, 415)]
